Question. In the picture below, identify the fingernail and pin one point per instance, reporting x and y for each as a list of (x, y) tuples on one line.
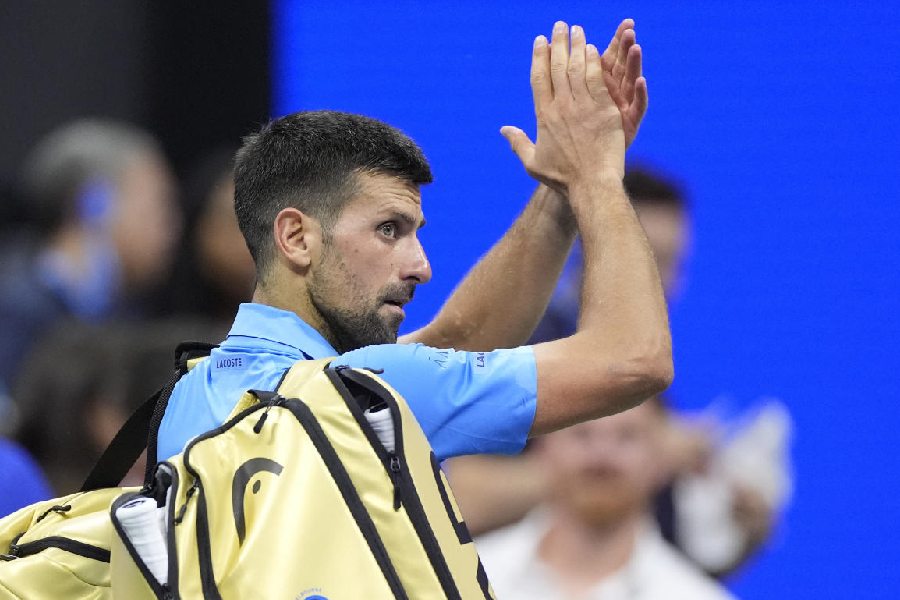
[(539, 41), (559, 27), (576, 30)]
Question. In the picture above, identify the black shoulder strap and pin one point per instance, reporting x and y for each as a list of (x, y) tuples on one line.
[(142, 427)]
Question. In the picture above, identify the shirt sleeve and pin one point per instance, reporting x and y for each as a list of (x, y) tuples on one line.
[(465, 402), (21, 480)]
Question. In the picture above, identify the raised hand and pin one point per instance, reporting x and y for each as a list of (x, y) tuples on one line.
[(621, 68), (580, 128)]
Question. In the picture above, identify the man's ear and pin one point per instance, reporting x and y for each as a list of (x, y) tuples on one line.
[(298, 238)]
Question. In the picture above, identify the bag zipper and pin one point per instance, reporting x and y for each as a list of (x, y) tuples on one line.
[(345, 484), (163, 591), (389, 460), (398, 470), (62, 543)]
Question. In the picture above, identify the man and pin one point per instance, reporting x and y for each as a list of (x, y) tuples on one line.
[(497, 491), (329, 205), (592, 538), (103, 201)]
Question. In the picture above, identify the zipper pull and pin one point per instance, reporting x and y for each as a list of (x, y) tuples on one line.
[(14, 547), (187, 498), (395, 477), (277, 401)]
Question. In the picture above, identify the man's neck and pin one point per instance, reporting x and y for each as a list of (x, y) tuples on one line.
[(583, 555), (297, 302)]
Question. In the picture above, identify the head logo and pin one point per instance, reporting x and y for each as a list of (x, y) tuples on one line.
[(239, 487)]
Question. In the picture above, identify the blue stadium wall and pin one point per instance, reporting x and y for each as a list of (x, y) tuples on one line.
[(781, 120)]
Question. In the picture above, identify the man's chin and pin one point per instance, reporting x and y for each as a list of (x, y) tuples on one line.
[(391, 317), (394, 314)]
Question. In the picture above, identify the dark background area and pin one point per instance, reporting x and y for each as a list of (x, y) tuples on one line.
[(195, 78)]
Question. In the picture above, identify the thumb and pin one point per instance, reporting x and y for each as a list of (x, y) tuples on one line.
[(518, 141)]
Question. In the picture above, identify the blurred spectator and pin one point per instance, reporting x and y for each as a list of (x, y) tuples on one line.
[(100, 197), (81, 383), (21, 480), (214, 272), (496, 491), (593, 538)]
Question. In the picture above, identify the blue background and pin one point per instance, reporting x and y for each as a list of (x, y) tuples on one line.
[(781, 120)]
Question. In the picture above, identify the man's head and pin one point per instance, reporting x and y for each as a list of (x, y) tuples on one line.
[(605, 470), (329, 205), (660, 206), (111, 180)]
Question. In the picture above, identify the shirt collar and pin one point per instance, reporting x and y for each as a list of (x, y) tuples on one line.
[(281, 329), (623, 583)]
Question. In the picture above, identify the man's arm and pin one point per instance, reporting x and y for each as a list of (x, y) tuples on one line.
[(500, 301), (621, 351)]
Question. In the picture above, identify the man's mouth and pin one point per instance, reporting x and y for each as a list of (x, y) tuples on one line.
[(396, 306), (399, 297)]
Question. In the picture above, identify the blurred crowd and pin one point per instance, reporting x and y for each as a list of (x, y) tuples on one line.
[(107, 262)]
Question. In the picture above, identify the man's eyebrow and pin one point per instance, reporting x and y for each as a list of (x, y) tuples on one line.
[(409, 219)]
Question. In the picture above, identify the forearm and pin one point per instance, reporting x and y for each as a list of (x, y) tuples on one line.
[(495, 491), (499, 303), (621, 351), (622, 296)]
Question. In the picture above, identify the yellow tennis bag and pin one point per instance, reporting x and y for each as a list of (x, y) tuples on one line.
[(297, 496)]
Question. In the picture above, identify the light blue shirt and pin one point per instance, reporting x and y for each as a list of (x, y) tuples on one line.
[(465, 402)]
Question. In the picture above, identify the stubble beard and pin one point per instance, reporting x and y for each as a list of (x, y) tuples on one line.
[(350, 328)]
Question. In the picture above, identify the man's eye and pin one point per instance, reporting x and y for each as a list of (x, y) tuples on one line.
[(388, 229)]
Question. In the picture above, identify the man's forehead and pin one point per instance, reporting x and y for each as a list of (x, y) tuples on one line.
[(384, 193)]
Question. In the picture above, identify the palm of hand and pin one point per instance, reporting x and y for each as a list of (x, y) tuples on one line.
[(589, 107)]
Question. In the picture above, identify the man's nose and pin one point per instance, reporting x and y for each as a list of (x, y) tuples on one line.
[(417, 266)]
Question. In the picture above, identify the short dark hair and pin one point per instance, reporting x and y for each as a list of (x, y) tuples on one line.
[(309, 160), (646, 186), (73, 156)]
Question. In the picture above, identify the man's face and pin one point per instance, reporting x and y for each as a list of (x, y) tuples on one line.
[(220, 245), (666, 229), (146, 222), (607, 469), (370, 264)]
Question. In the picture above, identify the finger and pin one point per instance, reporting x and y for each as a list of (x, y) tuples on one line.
[(576, 70), (641, 98), (559, 60), (628, 40), (594, 74), (633, 70), (612, 50), (519, 142), (541, 86)]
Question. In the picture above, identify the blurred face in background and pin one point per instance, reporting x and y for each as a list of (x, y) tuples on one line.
[(220, 245), (667, 231), (146, 222), (605, 470)]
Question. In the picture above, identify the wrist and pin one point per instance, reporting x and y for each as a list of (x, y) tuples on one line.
[(555, 206), (608, 180)]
